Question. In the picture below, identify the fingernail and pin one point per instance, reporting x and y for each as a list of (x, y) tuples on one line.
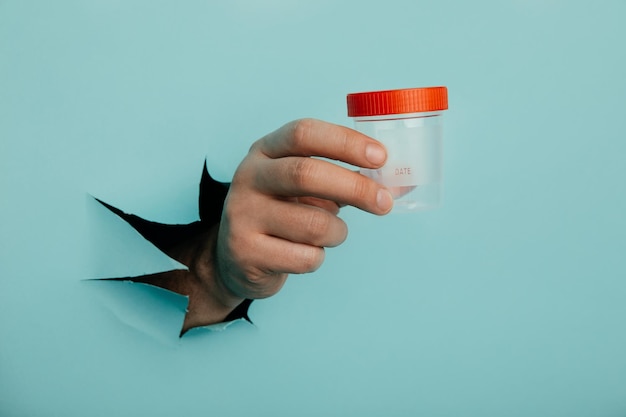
[(384, 201), (375, 154)]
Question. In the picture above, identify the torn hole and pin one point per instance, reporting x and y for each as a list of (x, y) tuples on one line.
[(169, 239)]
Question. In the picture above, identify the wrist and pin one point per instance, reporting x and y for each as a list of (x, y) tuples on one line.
[(210, 301)]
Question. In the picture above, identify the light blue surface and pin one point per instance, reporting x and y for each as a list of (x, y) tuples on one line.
[(510, 300)]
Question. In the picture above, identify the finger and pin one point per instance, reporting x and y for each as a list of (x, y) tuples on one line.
[(398, 192), (296, 177), (304, 224), (328, 205), (279, 256), (310, 137)]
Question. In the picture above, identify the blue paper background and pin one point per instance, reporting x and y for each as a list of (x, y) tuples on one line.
[(510, 300)]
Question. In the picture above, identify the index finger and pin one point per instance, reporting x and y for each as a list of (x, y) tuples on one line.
[(310, 137)]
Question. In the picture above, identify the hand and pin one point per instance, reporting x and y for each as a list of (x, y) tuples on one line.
[(281, 210)]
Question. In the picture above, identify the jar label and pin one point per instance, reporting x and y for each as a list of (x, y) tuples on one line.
[(413, 156)]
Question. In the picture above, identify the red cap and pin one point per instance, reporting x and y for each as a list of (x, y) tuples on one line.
[(409, 100)]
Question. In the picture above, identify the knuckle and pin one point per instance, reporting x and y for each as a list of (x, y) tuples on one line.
[(239, 246), (347, 144), (301, 172), (255, 278), (245, 174), (361, 189), (256, 146), (301, 132), (319, 224), (237, 236), (232, 209), (265, 285)]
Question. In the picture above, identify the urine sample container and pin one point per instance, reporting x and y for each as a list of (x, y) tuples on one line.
[(409, 123)]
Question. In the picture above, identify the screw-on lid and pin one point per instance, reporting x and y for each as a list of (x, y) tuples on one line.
[(410, 100)]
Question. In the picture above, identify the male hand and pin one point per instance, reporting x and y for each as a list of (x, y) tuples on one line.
[(281, 210)]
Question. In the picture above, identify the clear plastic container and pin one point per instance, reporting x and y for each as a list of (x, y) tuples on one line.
[(409, 123)]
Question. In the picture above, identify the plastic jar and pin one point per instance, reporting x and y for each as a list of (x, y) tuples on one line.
[(409, 123)]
